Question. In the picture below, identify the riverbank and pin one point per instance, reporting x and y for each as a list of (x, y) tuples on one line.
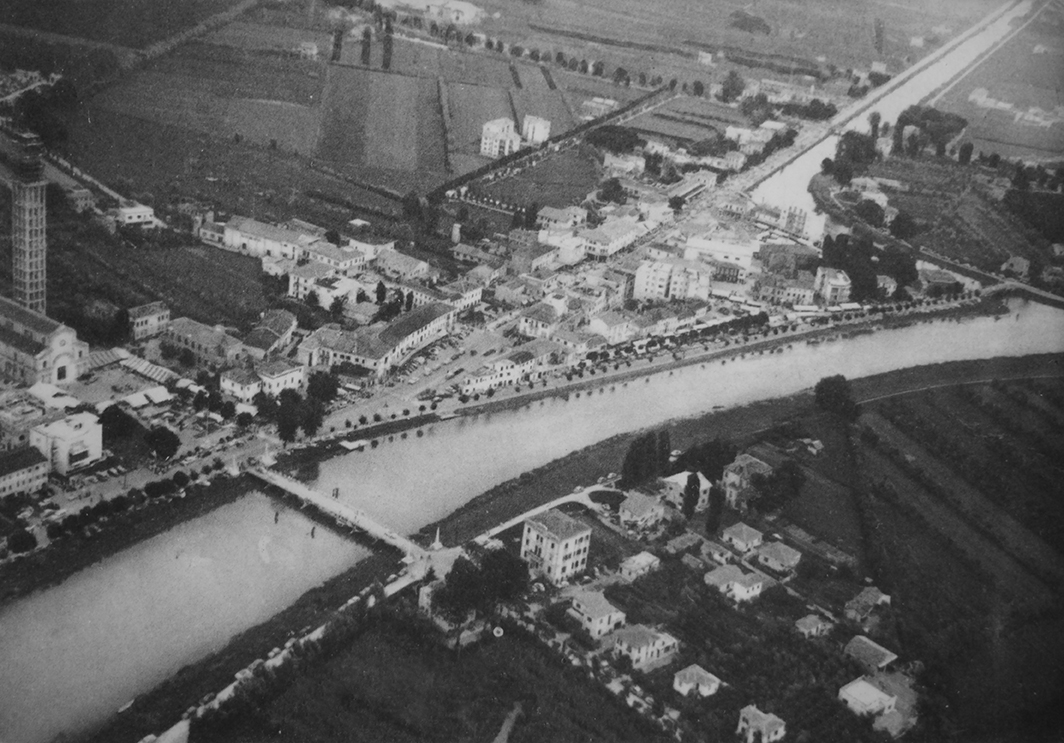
[(582, 468), (73, 553), (159, 708)]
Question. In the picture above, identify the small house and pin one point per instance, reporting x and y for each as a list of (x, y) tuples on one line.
[(697, 679), (742, 537), (813, 625), (641, 511), (595, 614), (865, 698), (755, 725), (778, 557), (638, 565), (871, 655), (644, 645)]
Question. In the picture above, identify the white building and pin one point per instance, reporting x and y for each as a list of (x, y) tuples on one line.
[(132, 213), (612, 236), (864, 698), (744, 538), (697, 679), (535, 130), (552, 218), (640, 511), (555, 545), (22, 470), (778, 556), (832, 285), (676, 485), (240, 383), (70, 444), (251, 237), (709, 247), (639, 564), (673, 278), (498, 138), (595, 614), (279, 375), (35, 348), (734, 583), (644, 645), (755, 725), (148, 320)]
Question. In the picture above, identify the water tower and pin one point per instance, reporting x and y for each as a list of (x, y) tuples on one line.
[(22, 167)]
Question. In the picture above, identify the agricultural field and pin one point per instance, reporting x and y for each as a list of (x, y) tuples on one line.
[(959, 216), (964, 524), (1012, 100), (249, 36), (561, 180), (471, 106), (382, 128), (131, 23)]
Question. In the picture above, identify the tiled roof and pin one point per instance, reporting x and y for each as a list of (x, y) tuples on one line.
[(742, 533), (781, 553), (870, 654), (696, 674), (594, 604), (559, 525), (19, 342), (147, 310), (11, 310), (20, 459), (638, 504)]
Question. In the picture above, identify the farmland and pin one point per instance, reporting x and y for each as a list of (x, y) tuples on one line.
[(132, 23), (382, 127), (964, 522), (1023, 74), (688, 120), (562, 180)]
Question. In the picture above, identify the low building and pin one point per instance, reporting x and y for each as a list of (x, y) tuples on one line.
[(35, 348), (755, 725), (569, 218), (540, 320), (640, 511), (595, 614), (1017, 266), (208, 345), (731, 581), (70, 444), (20, 413), (259, 239), (885, 285), (612, 325), (860, 607), (240, 383), (611, 237), (535, 130), (813, 625), (279, 375), (783, 290), (272, 334), (871, 655), (697, 679), (638, 565), (742, 537), (148, 320), (22, 470), (832, 285), (555, 545), (675, 486), (778, 556), (402, 266), (739, 476), (717, 552), (130, 213), (644, 645), (684, 543), (865, 698)]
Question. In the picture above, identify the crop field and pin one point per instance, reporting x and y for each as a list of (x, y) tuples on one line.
[(471, 106), (382, 127), (842, 32), (131, 23), (1023, 74), (560, 180), (536, 98)]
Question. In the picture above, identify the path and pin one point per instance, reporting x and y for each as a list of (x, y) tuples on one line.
[(508, 724), (582, 497)]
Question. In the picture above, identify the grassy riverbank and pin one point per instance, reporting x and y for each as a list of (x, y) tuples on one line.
[(72, 553)]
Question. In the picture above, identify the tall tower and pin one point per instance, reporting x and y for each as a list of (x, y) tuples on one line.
[(20, 155)]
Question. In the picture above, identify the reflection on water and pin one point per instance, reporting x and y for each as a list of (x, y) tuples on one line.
[(407, 484), (71, 655)]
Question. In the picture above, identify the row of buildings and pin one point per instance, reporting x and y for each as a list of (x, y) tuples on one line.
[(499, 137)]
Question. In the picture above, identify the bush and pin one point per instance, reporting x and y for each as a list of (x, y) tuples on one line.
[(21, 541), (54, 531)]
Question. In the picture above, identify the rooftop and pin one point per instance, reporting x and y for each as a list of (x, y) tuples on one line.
[(811, 622), (724, 576), (868, 653), (639, 505), (20, 459), (865, 693), (594, 604), (559, 525), (764, 721), (19, 315), (147, 310), (696, 674), (639, 636), (742, 533), (781, 553)]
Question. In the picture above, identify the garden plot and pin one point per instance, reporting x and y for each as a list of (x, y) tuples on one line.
[(471, 106)]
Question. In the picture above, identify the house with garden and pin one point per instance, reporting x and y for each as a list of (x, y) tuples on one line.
[(755, 725), (595, 614), (640, 511), (696, 679), (643, 645), (742, 537), (734, 583), (778, 557)]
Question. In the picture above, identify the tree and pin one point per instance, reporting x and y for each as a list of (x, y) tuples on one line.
[(611, 190), (227, 409), (386, 52), (186, 357), (367, 39), (20, 541), (834, 395), (382, 292), (964, 155), (162, 441), (697, 88), (266, 405), (903, 226), (676, 203), (311, 299), (732, 87), (180, 479), (715, 512), (870, 212), (336, 307), (323, 386), (244, 419), (690, 495), (313, 415), (827, 166), (873, 123)]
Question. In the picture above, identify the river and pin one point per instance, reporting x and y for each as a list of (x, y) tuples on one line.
[(790, 186), (71, 655), (408, 483)]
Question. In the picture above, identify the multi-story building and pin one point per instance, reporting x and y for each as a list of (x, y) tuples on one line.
[(644, 645), (595, 614), (673, 278), (755, 725), (71, 443), (279, 375), (569, 218), (783, 290), (734, 583), (23, 470), (35, 348), (535, 130), (240, 383), (251, 237), (555, 545), (611, 237), (21, 160), (208, 345), (147, 320), (498, 137), (20, 412), (739, 476), (832, 285), (401, 265)]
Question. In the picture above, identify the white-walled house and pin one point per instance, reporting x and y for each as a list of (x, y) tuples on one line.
[(779, 557), (865, 698), (676, 485), (555, 545), (644, 645), (595, 614), (639, 564), (640, 511), (734, 583), (70, 444), (755, 725), (744, 538), (697, 679)]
